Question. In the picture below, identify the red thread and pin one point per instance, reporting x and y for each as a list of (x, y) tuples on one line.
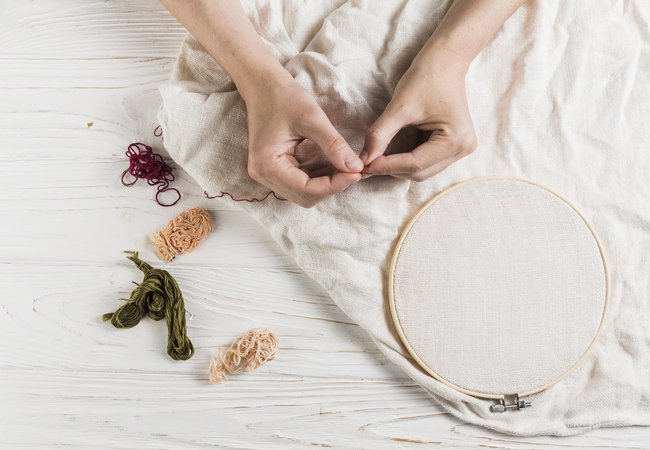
[(144, 163), (249, 200)]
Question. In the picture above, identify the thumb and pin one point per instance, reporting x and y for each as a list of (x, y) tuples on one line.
[(333, 145), (379, 135)]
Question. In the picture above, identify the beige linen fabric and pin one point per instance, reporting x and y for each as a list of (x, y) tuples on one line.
[(499, 286), (559, 97)]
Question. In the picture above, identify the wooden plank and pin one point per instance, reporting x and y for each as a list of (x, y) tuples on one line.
[(89, 29)]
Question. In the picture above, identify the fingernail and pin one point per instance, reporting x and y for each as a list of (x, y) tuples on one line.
[(354, 163), (363, 155)]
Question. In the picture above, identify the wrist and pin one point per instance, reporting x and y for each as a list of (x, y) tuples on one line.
[(439, 54), (257, 80)]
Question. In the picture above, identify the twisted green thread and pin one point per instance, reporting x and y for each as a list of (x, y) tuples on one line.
[(157, 296)]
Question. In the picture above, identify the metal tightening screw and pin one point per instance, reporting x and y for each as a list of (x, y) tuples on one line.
[(502, 407)]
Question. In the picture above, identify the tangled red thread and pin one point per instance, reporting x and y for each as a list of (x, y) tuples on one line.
[(144, 163)]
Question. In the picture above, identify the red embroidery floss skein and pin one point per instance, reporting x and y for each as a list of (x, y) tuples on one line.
[(144, 163)]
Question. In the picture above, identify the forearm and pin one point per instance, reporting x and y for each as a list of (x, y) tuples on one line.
[(226, 32), (466, 29)]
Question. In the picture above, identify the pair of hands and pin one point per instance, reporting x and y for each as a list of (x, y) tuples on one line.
[(429, 97), (283, 119)]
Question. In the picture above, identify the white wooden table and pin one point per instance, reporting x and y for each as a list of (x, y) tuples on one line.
[(67, 380)]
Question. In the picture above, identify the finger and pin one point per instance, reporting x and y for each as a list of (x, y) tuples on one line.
[(295, 185), (415, 163), (429, 172), (380, 134), (320, 130)]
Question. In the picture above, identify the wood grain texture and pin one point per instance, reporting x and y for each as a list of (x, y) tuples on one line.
[(70, 74)]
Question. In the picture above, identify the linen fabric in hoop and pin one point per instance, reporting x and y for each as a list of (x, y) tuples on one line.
[(498, 287)]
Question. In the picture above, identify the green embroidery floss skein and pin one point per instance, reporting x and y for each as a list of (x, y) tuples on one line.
[(158, 296)]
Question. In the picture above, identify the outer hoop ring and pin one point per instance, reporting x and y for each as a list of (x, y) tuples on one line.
[(391, 292)]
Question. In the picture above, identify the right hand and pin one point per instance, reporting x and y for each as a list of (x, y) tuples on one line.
[(281, 116)]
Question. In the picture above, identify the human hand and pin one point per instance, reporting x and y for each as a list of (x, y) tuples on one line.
[(281, 115), (430, 97)]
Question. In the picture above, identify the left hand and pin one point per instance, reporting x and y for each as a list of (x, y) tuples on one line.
[(431, 97)]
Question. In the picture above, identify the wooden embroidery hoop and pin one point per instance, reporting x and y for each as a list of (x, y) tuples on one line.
[(501, 406)]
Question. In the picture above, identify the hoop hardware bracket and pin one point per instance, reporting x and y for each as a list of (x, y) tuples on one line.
[(502, 406)]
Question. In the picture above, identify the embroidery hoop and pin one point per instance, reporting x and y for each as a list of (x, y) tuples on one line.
[(479, 393)]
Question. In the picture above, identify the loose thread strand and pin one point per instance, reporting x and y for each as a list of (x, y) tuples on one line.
[(249, 200)]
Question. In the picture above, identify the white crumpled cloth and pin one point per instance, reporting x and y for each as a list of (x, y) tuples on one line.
[(561, 97)]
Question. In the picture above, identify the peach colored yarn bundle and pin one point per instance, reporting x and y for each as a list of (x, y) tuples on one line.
[(256, 347), (182, 234)]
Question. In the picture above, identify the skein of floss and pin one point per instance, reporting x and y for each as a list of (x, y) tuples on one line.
[(248, 353), (182, 234), (146, 164), (157, 296)]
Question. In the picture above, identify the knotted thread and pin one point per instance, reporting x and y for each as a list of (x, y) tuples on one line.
[(144, 163), (182, 234), (256, 347), (158, 296)]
